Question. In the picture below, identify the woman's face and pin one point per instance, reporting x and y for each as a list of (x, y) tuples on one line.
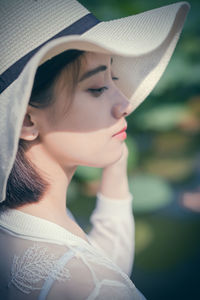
[(83, 135)]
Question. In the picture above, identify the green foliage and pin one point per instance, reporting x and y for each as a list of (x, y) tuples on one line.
[(173, 169), (163, 117), (73, 192), (179, 72), (88, 173), (150, 192), (133, 155), (163, 243)]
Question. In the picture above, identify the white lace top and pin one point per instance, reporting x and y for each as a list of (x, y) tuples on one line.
[(42, 260)]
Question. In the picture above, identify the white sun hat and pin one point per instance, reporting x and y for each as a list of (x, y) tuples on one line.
[(34, 31)]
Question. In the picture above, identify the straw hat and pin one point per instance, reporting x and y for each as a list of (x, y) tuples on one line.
[(33, 31)]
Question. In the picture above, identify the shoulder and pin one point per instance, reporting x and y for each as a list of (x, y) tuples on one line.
[(92, 275), (25, 265), (39, 268)]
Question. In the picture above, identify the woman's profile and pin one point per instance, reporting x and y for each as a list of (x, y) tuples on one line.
[(68, 81)]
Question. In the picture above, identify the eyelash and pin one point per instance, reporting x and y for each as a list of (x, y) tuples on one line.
[(100, 90)]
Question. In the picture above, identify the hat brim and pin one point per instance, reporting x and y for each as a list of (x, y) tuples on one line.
[(141, 46)]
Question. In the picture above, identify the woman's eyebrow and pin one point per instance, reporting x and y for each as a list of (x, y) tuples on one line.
[(92, 72)]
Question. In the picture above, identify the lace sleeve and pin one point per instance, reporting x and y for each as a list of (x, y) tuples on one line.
[(39, 270), (93, 279), (114, 230)]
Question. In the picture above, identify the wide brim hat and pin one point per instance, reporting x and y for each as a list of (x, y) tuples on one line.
[(33, 32)]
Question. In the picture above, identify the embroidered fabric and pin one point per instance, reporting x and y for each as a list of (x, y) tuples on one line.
[(35, 264), (41, 260)]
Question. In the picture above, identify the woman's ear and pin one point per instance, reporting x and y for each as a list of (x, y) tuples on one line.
[(29, 131)]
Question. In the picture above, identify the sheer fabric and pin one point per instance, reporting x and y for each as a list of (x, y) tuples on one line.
[(42, 260)]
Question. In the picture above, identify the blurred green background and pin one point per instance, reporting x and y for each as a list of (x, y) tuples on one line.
[(163, 166)]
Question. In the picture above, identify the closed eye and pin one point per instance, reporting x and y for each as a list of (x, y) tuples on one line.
[(99, 91)]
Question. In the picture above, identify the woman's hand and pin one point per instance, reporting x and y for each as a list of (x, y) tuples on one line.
[(114, 183), (120, 164)]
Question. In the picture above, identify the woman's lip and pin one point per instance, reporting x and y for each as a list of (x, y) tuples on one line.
[(120, 136), (124, 129)]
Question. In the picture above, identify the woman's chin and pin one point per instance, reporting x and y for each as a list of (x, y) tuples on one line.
[(109, 160)]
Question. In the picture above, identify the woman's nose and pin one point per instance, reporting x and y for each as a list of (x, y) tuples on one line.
[(122, 108)]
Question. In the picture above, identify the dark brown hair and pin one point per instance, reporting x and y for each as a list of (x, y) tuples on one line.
[(25, 184)]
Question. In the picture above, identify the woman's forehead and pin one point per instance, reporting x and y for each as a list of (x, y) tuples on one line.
[(94, 58)]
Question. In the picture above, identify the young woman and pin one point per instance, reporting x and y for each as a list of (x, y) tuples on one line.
[(66, 93)]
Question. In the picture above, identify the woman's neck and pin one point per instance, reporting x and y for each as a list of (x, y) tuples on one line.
[(52, 205)]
